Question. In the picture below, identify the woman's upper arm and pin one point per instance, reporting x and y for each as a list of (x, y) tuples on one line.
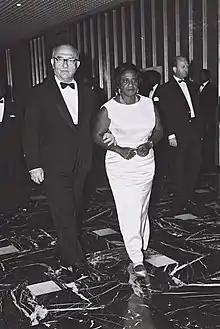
[(158, 125), (102, 122)]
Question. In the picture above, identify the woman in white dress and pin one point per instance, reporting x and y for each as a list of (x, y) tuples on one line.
[(135, 125)]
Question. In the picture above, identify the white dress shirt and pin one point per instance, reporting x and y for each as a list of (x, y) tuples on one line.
[(186, 93), (70, 97), (203, 86), (2, 109), (151, 93)]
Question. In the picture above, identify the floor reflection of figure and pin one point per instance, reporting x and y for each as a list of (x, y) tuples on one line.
[(208, 103), (138, 314)]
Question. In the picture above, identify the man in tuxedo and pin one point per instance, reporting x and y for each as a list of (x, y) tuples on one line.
[(208, 104), (150, 87), (178, 102), (58, 147), (13, 191), (150, 83)]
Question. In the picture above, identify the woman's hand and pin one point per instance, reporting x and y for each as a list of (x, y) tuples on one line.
[(143, 149), (109, 138), (126, 152)]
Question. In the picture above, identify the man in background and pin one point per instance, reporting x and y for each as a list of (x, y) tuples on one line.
[(178, 102), (208, 103), (13, 188), (150, 87)]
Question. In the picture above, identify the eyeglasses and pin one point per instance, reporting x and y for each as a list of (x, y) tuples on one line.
[(69, 61)]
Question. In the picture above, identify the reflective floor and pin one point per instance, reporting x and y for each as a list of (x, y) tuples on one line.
[(183, 264)]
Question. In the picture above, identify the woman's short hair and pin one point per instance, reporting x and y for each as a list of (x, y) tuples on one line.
[(121, 69)]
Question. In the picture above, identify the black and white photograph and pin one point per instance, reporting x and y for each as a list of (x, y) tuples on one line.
[(109, 164)]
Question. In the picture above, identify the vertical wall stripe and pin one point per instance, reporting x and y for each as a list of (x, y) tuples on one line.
[(204, 34), (133, 49), (44, 58), (124, 57), (115, 38), (85, 39), (36, 66), (177, 26), (190, 9), (108, 79), (78, 37), (33, 82), (153, 31), (143, 48), (40, 59), (9, 72), (8, 67), (219, 48), (92, 41), (218, 141), (165, 41), (100, 51)]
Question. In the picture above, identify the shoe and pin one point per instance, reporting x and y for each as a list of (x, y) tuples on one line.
[(81, 269), (140, 271)]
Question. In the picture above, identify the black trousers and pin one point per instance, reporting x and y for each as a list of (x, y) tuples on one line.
[(64, 191), (187, 160), (13, 173), (161, 170)]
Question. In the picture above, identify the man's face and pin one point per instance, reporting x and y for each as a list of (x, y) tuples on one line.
[(181, 69), (203, 77), (65, 63)]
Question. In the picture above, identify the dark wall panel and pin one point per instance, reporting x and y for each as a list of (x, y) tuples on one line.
[(145, 32)]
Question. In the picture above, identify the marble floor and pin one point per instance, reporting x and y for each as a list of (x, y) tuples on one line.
[(183, 264)]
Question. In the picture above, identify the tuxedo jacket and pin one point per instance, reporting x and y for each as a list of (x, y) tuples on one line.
[(10, 137), (51, 140), (175, 108), (208, 102)]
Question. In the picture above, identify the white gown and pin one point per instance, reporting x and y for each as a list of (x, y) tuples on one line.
[(131, 180)]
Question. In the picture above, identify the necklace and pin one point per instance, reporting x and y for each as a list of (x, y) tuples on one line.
[(123, 101)]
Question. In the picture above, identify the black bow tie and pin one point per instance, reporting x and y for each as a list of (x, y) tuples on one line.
[(181, 81), (64, 85), (2, 101)]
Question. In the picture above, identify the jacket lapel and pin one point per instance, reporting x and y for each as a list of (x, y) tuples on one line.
[(57, 99), (179, 91), (80, 102)]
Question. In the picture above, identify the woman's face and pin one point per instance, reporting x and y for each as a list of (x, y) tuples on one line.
[(129, 83)]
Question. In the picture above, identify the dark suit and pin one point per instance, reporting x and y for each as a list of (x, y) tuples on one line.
[(64, 150), (177, 121), (208, 102), (12, 169), (161, 158)]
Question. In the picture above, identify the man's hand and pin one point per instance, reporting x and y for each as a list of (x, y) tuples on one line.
[(37, 175), (173, 142), (109, 138)]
